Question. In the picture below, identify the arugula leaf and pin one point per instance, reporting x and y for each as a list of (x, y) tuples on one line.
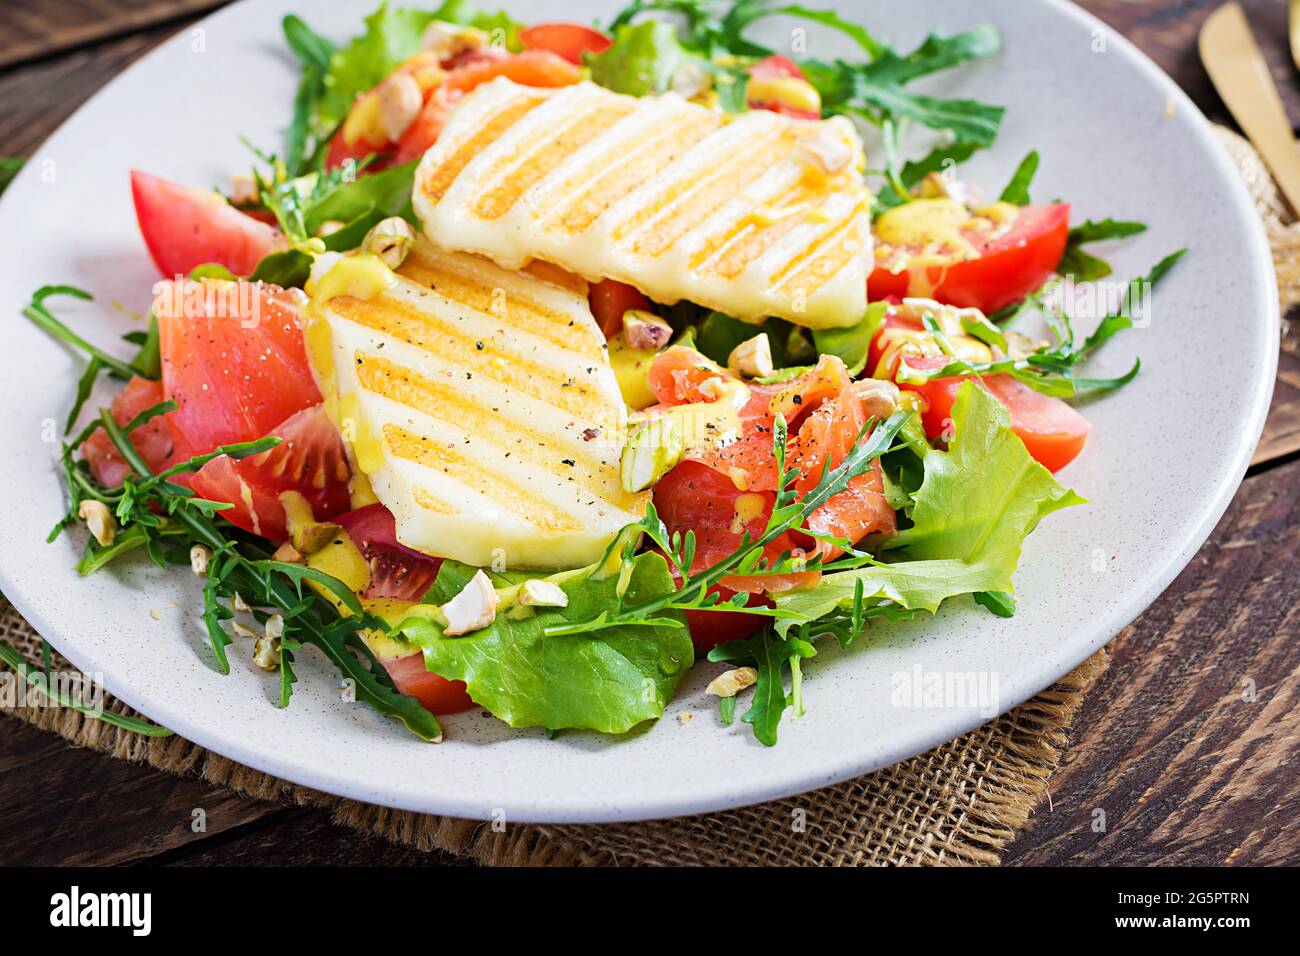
[(876, 90), (1133, 295), (641, 60), (9, 167), (608, 681), (1082, 266), (974, 508), (314, 52), (771, 657), (39, 313), (1017, 190), (938, 160), (41, 681)]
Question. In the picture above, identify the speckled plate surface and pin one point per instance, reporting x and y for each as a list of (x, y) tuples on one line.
[(1166, 454)]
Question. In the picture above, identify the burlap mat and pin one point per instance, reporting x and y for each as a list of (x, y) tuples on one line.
[(959, 804)]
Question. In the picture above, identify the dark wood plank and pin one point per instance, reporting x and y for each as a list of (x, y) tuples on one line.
[(31, 29), (60, 805), (1166, 30), (1185, 769), (38, 97), (306, 838), (1282, 430), (1158, 761)]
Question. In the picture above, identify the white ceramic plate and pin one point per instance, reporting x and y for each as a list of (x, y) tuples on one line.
[(1164, 459)]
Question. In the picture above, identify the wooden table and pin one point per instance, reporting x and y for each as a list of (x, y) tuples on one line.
[(1186, 769)]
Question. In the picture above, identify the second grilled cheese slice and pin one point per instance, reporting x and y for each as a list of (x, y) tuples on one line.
[(480, 404), (753, 215)]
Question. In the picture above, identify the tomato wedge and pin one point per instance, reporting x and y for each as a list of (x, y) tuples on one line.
[(184, 227), (720, 492), (609, 300), (152, 440), (569, 40), (396, 571), (399, 573), (1053, 432), (233, 358), (530, 68), (435, 694), (309, 460), (1016, 262), (773, 73)]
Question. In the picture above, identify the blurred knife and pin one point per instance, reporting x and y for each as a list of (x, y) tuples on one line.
[(1295, 32), (1241, 76)]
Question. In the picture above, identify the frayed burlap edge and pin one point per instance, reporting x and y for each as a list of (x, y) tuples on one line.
[(959, 804), (1282, 228)]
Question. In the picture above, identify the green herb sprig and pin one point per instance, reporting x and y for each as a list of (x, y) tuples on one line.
[(790, 512)]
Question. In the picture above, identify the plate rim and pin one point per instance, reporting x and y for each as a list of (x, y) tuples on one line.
[(715, 795)]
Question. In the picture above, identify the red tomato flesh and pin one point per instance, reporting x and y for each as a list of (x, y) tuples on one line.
[(435, 694), (184, 227), (1053, 432), (309, 460), (396, 571), (400, 573), (1005, 270), (530, 68), (569, 40), (233, 358), (153, 440), (609, 300)]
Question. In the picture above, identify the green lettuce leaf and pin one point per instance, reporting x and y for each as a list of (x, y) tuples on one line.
[(976, 504), (641, 61), (608, 681), (392, 35)]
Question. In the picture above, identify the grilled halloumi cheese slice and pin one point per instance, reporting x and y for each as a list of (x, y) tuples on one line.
[(479, 403), (753, 215)]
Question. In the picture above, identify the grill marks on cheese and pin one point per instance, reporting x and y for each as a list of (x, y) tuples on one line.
[(668, 196), (490, 422)]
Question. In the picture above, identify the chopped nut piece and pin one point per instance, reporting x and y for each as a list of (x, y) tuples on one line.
[(400, 99), (446, 40), (827, 150), (99, 520), (538, 593), (879, 398), (243, 190), (288, 554), (690, 80), (730, 683), (645, 331), (653, 449), (752, 357), (199, 557), (686, 716), (310, 538), (242, 631), (475, 607), (238, 603), (390, 239), (266, 653)]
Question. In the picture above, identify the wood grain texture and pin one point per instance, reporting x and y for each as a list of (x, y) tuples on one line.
[(1185, 770), (31, 29), (1187, 743), (1282, 430), (1166, 31), (63, 806)]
